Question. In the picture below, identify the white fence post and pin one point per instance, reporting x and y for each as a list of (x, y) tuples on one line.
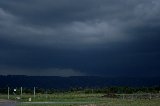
[(150, 96)]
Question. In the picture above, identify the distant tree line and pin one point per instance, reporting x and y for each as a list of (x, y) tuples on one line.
[(116, 89), (124, 90), (119, 90)]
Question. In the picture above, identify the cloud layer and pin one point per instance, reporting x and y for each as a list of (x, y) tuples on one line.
[(111, 38)]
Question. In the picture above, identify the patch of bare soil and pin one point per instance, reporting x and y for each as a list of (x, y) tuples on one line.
[(4, 102)]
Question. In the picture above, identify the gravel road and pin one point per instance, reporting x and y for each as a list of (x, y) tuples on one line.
[(7, 103)]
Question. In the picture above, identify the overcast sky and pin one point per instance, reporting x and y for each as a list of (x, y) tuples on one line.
[(80, 37)]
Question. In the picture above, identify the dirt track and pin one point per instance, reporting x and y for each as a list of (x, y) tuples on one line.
[(7, 103)]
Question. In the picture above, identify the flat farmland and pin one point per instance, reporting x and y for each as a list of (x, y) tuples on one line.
[(76, 99)]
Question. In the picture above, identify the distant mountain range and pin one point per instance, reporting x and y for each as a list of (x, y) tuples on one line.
[(75, 81)]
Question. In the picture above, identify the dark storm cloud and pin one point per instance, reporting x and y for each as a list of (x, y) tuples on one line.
[(80, 37)]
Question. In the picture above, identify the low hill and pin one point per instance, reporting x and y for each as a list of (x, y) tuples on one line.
[(76, 81)]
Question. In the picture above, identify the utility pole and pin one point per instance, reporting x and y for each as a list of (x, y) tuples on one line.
[(8, 92), (21, 92), (46, 94), (34, 92)]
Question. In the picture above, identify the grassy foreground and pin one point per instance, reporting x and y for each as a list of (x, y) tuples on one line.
[(107, 102), (80, 99)]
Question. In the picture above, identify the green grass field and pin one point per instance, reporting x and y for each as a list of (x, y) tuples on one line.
[(107, 102), (80, 99)]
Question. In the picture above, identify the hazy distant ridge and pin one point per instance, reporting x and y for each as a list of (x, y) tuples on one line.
[(76, 81)]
